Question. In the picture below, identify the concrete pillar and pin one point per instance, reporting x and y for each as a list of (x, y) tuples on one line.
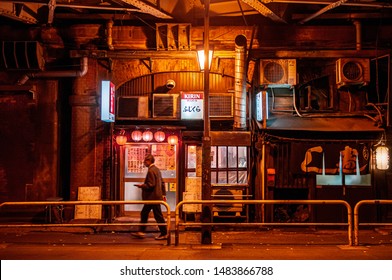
[(83, 131), (46, 146)]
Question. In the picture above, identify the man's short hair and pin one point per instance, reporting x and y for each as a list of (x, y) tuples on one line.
[(150, 158)]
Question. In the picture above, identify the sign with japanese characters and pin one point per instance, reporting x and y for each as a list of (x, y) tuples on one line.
[(348, 158), (192, 105), (107, 101)]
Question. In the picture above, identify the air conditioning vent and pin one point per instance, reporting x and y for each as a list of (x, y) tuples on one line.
[(166, 106), (221, 105), (225, 193), (132, 107), (352, 71), (21, 55), (278, 72)]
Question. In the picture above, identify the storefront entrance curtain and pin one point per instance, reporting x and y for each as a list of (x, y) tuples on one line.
[(329, 158)]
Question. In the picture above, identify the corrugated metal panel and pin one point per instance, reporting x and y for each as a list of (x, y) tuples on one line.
[(285, 178), (185, 81), (136, 87)]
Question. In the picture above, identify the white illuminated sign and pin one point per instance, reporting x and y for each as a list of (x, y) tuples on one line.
[(262, 106), (192, 105), (107, 101)]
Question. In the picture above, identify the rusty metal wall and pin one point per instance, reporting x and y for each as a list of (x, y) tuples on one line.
[(184, 81)]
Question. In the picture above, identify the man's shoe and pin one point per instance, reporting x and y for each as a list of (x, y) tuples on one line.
[(138, 234), (161, 237)]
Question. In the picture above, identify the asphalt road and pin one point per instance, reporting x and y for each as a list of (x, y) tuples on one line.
[(274, 244)]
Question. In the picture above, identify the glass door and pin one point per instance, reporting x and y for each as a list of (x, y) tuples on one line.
[(135, 172)]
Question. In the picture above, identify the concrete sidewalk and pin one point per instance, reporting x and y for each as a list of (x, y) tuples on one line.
[(272, 244)]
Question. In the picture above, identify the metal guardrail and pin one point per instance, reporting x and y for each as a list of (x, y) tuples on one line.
[(356, 217), (107, 202), (341, 202), (179, 205)]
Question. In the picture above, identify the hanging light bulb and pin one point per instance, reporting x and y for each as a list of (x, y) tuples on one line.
[(147, 136), (172, 140), (159, 136), (136, 135), (121, 139)]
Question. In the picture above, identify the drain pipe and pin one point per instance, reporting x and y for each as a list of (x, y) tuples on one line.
[(240, 83), (57, 74), (109, 28), (358, 33)]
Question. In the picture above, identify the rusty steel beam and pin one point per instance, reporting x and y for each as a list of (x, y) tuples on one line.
[(262, 9), (323, 10)]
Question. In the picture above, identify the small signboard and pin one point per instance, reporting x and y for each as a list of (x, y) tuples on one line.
[(107, 101), (262, 106), (92, 193), (192, 105), (192, 192)]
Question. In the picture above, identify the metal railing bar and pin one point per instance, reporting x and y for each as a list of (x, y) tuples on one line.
[(356, 216), (238, 201), (262, 224), (97, 202)]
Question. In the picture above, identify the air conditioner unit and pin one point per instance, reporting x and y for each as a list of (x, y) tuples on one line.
[(278, 72), (166, 106), (221, 105), (352, 71), (225, 193), (21, 55), (132, 107)]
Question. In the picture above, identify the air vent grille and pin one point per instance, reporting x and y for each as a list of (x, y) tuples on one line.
[(221, 105), (352, 71), (132, 107), (273, 72), (166, 106), (278, 72)]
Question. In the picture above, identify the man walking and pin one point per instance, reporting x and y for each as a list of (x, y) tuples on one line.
[(153, 188)]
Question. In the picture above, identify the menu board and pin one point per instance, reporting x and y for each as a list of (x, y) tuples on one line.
[(165, 156), (192, 192), (135, 158), (90, 193)]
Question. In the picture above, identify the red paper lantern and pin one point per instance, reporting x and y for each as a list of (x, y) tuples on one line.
[(159, 136), (172, 140), (147, 136), (121, 139), (136, 135)]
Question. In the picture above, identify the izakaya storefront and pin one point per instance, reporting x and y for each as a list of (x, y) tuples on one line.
[(320, 165), (162, 143)]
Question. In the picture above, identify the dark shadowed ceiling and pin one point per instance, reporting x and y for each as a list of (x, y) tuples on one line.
[(222, 12)]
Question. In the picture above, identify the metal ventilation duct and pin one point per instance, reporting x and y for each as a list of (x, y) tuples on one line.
[(240, 83), (21, 55)]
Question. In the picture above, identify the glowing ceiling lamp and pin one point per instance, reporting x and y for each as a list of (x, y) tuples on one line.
[(201, 58)]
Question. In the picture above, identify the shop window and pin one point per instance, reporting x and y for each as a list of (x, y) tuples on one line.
[(228, 164)]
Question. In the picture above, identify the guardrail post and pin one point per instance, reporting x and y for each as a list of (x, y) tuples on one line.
[(342, 202), (79, 202), (356, 216)]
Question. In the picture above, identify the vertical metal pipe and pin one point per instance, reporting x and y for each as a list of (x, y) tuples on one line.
[(240, 83), (358, 33), (206, 215), (109, 27)]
